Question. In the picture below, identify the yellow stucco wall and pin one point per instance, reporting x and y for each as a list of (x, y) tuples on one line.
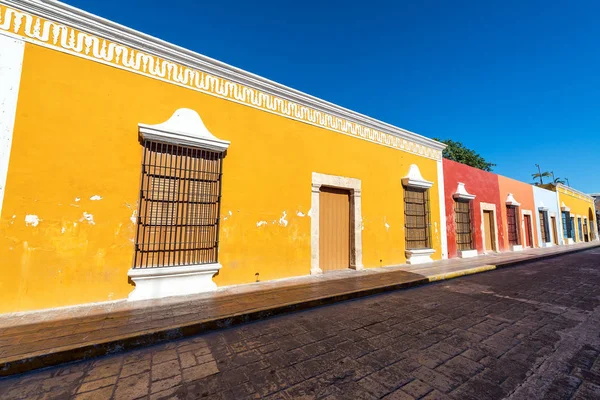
[(76, 137), (581, 207)]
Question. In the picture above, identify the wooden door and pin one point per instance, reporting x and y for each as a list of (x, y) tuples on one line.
[(528, 234), (554, 229), (488, 231), (334, 229)]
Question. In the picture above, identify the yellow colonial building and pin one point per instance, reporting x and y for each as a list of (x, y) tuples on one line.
[(134, 168), (577, 215)]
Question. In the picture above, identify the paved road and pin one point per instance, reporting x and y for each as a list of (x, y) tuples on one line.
[(530, 332)]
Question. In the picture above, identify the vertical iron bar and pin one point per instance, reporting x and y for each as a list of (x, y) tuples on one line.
[(219, 191), (198, 204), (186, 221), (139, 225), (174, 231), (160, 200), (153, 204)]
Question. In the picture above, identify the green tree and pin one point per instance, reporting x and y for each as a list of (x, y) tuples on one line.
[(541, 176), (456, 151)]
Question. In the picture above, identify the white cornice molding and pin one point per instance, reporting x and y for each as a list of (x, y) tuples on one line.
[(542, 207), (570, 189), (563, 207), (461, 193), (87, 22), (510, 201), (415, 179), (185, 127)]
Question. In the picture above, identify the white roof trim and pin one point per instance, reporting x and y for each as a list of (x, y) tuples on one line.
[(185, 127), (415, 179), (510, 201), (567, 188), (84, 21), (461, 193)]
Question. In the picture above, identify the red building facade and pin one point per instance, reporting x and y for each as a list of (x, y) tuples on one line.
[(473, 210)]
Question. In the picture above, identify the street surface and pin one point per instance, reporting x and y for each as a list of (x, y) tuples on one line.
[(528, 332)]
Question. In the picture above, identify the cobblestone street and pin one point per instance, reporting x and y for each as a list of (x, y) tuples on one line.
[(521, 333)]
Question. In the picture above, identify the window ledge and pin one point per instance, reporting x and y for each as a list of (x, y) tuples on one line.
[(419, 256), (159, 282), (467, 253)]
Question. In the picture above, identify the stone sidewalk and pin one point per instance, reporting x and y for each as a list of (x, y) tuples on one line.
[(39, 339)]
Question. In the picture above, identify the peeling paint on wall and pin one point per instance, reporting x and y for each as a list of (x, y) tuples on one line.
[(387, 226), (77, 199), (282, 220), (32, 220), (133, 217), (88, 217), (300, 214), (96, 197), (261, 223)]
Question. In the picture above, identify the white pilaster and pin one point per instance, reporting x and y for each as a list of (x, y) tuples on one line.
[(11, 65), (442, 201)]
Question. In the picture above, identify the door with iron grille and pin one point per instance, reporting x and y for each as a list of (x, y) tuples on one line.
[(512, 223), (462, 219), (179, 205)]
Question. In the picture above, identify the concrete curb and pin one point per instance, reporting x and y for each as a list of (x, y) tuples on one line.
[(65, 354)]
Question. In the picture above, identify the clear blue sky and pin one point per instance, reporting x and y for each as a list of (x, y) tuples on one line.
[(518, 81)]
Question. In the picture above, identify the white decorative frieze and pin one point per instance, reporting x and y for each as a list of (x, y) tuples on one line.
[(103, 41)]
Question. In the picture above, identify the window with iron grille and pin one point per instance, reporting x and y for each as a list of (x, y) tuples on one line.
[(513, 231), (180, 194), (580, 228), (416, 218), (462, 218), (542, 230), (544, 226), (572, 227), (566, 222)]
